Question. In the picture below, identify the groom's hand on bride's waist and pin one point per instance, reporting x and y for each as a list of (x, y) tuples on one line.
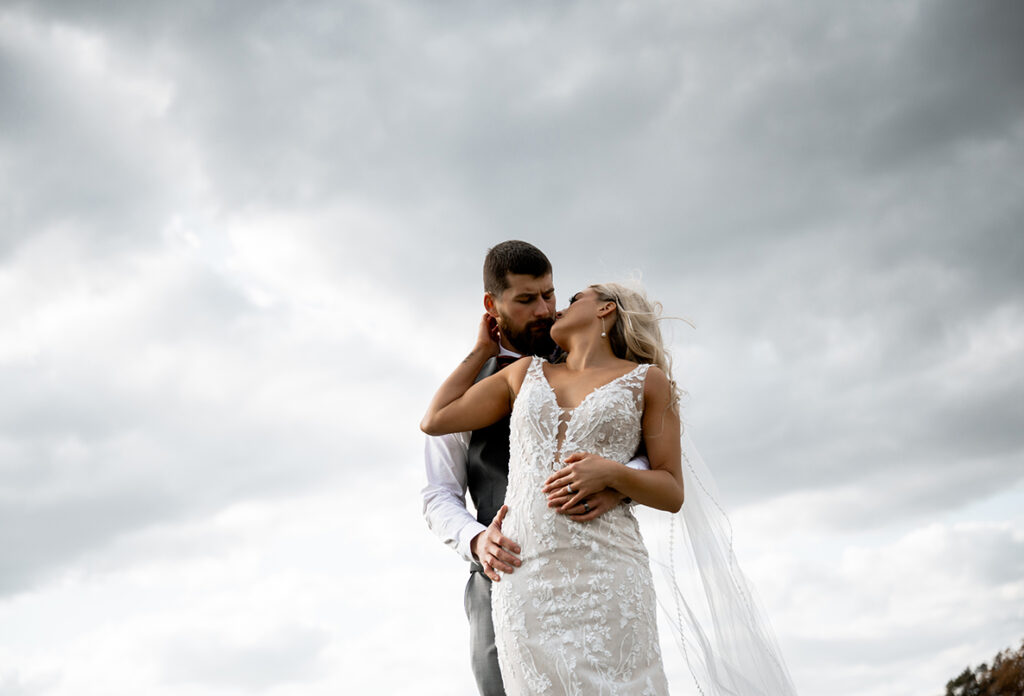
[(495, 551)]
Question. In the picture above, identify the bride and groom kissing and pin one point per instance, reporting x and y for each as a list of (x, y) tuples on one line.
[(601, 628), (560, 597)]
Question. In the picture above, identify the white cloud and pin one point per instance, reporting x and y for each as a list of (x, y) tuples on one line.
[(916, 606)]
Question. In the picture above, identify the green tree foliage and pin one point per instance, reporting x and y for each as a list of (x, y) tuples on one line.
[(1004, 678)]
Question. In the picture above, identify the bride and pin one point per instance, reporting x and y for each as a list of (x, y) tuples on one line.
[(578, 616)]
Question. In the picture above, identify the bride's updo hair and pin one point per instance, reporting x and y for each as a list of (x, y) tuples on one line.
[(636, 334)]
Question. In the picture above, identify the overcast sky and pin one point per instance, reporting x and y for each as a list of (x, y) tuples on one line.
[(240, 245)]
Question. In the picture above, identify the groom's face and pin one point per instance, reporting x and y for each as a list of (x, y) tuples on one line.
[(525, 311)]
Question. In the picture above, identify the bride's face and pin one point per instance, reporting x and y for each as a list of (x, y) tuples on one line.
[(581, 314)]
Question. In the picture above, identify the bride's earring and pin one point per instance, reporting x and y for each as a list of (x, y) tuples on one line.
[(603, 334)]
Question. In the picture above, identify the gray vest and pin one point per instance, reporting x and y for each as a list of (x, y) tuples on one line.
[(487, 462)]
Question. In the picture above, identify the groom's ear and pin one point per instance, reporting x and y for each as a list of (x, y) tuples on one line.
[(489, 305)]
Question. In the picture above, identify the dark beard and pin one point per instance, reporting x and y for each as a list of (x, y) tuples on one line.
[(534, 339)]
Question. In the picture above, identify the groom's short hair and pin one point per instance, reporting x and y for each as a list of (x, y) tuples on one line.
[(512, 256)]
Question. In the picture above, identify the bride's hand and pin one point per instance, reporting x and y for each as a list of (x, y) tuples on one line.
[(487, 335), (584, 475)]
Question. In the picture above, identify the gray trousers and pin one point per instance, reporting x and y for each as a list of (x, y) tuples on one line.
[(481, 635)]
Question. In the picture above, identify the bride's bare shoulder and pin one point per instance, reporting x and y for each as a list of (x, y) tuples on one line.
[(521, 365), (515, 373), (656, 383)]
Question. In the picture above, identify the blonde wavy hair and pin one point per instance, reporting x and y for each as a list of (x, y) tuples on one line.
[(636, 333)]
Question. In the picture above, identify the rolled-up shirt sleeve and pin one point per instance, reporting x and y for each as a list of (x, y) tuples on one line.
[(444, 496), (640, 463)]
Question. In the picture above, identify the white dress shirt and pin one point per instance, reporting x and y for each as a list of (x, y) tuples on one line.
[(444, 496)]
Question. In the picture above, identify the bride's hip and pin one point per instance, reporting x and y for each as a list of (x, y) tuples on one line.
[(545, 534)]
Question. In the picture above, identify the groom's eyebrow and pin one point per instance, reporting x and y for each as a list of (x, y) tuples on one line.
[(530, 295)]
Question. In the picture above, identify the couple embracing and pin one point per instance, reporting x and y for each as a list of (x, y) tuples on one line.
[(554, 454)]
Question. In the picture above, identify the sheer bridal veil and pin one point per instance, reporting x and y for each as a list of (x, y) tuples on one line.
[(723, 633)]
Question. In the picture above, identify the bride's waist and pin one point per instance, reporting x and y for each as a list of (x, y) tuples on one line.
[(534, 516)]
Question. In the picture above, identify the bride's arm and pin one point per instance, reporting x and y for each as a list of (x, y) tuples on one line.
[(662, 433), (662, 486), (460, 405)]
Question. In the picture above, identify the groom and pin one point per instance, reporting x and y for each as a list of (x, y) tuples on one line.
[(520, 298)]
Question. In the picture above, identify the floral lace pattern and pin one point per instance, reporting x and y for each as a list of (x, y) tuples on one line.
[(578, 618)]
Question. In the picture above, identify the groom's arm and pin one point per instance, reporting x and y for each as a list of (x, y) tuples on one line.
[(444, 496)]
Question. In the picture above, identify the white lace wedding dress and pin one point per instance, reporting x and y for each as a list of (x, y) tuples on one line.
[(578, 618)]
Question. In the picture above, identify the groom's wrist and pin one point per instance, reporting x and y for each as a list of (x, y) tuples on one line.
[(467, 538), (472, 545), (623, 498)]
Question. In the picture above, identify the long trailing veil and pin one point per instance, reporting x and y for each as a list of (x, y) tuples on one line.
[(718, 623)]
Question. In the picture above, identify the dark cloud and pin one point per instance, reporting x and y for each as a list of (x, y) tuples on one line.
[(960, 79)]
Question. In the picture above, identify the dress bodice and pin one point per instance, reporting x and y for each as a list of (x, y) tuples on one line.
[(606, 422)]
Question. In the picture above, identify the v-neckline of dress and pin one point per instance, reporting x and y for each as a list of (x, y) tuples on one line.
[(593, 391)]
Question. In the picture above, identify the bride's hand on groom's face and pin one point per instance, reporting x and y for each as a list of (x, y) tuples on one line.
[(487, 335)]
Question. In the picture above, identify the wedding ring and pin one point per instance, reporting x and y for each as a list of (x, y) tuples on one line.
[(586, 506), (569, 489)]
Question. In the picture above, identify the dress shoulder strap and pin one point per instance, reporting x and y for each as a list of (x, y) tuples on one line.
[(536, 366), (634, 381), (637, 376)]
